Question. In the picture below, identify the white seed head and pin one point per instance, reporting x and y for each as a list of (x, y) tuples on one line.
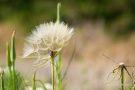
[(45, 38)]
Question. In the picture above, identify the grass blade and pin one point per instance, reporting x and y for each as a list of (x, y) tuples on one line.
[(13, 57), (13, 51), (2, 79)]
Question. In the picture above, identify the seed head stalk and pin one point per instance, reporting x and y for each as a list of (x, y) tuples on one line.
[(122, 78), (122, 69), (53, 70), (59, 63), (58, 12), (34, 81), (53, 55), (58, 69)]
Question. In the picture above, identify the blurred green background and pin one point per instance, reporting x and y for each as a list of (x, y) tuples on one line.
[(118, 15)]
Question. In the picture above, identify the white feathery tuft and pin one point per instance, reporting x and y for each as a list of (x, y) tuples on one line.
[(47, 37)]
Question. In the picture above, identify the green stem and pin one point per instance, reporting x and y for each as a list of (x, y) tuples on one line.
[(58, 65), (14, 78), (34, 82), (58, 12), (53, 73), (122, 78), (9, 64), (2, 81), (59, 73)]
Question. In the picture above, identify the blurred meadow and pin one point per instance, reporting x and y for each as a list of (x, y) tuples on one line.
[(104, 36)]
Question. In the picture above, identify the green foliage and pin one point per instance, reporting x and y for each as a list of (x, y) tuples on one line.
[(7, 82), (13, 52), (10, 78), (2, 80), (131, 88), (117, 14)]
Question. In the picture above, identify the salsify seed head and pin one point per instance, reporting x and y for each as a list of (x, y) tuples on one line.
[(46, 38)]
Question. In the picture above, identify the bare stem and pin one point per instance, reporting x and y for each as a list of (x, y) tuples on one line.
[(59, 75), (122, 78), (58, 12), (53, 70), (34, 81)]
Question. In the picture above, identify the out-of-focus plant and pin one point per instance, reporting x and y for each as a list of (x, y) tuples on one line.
[(10, 78), (2, 79), (122, 68)]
